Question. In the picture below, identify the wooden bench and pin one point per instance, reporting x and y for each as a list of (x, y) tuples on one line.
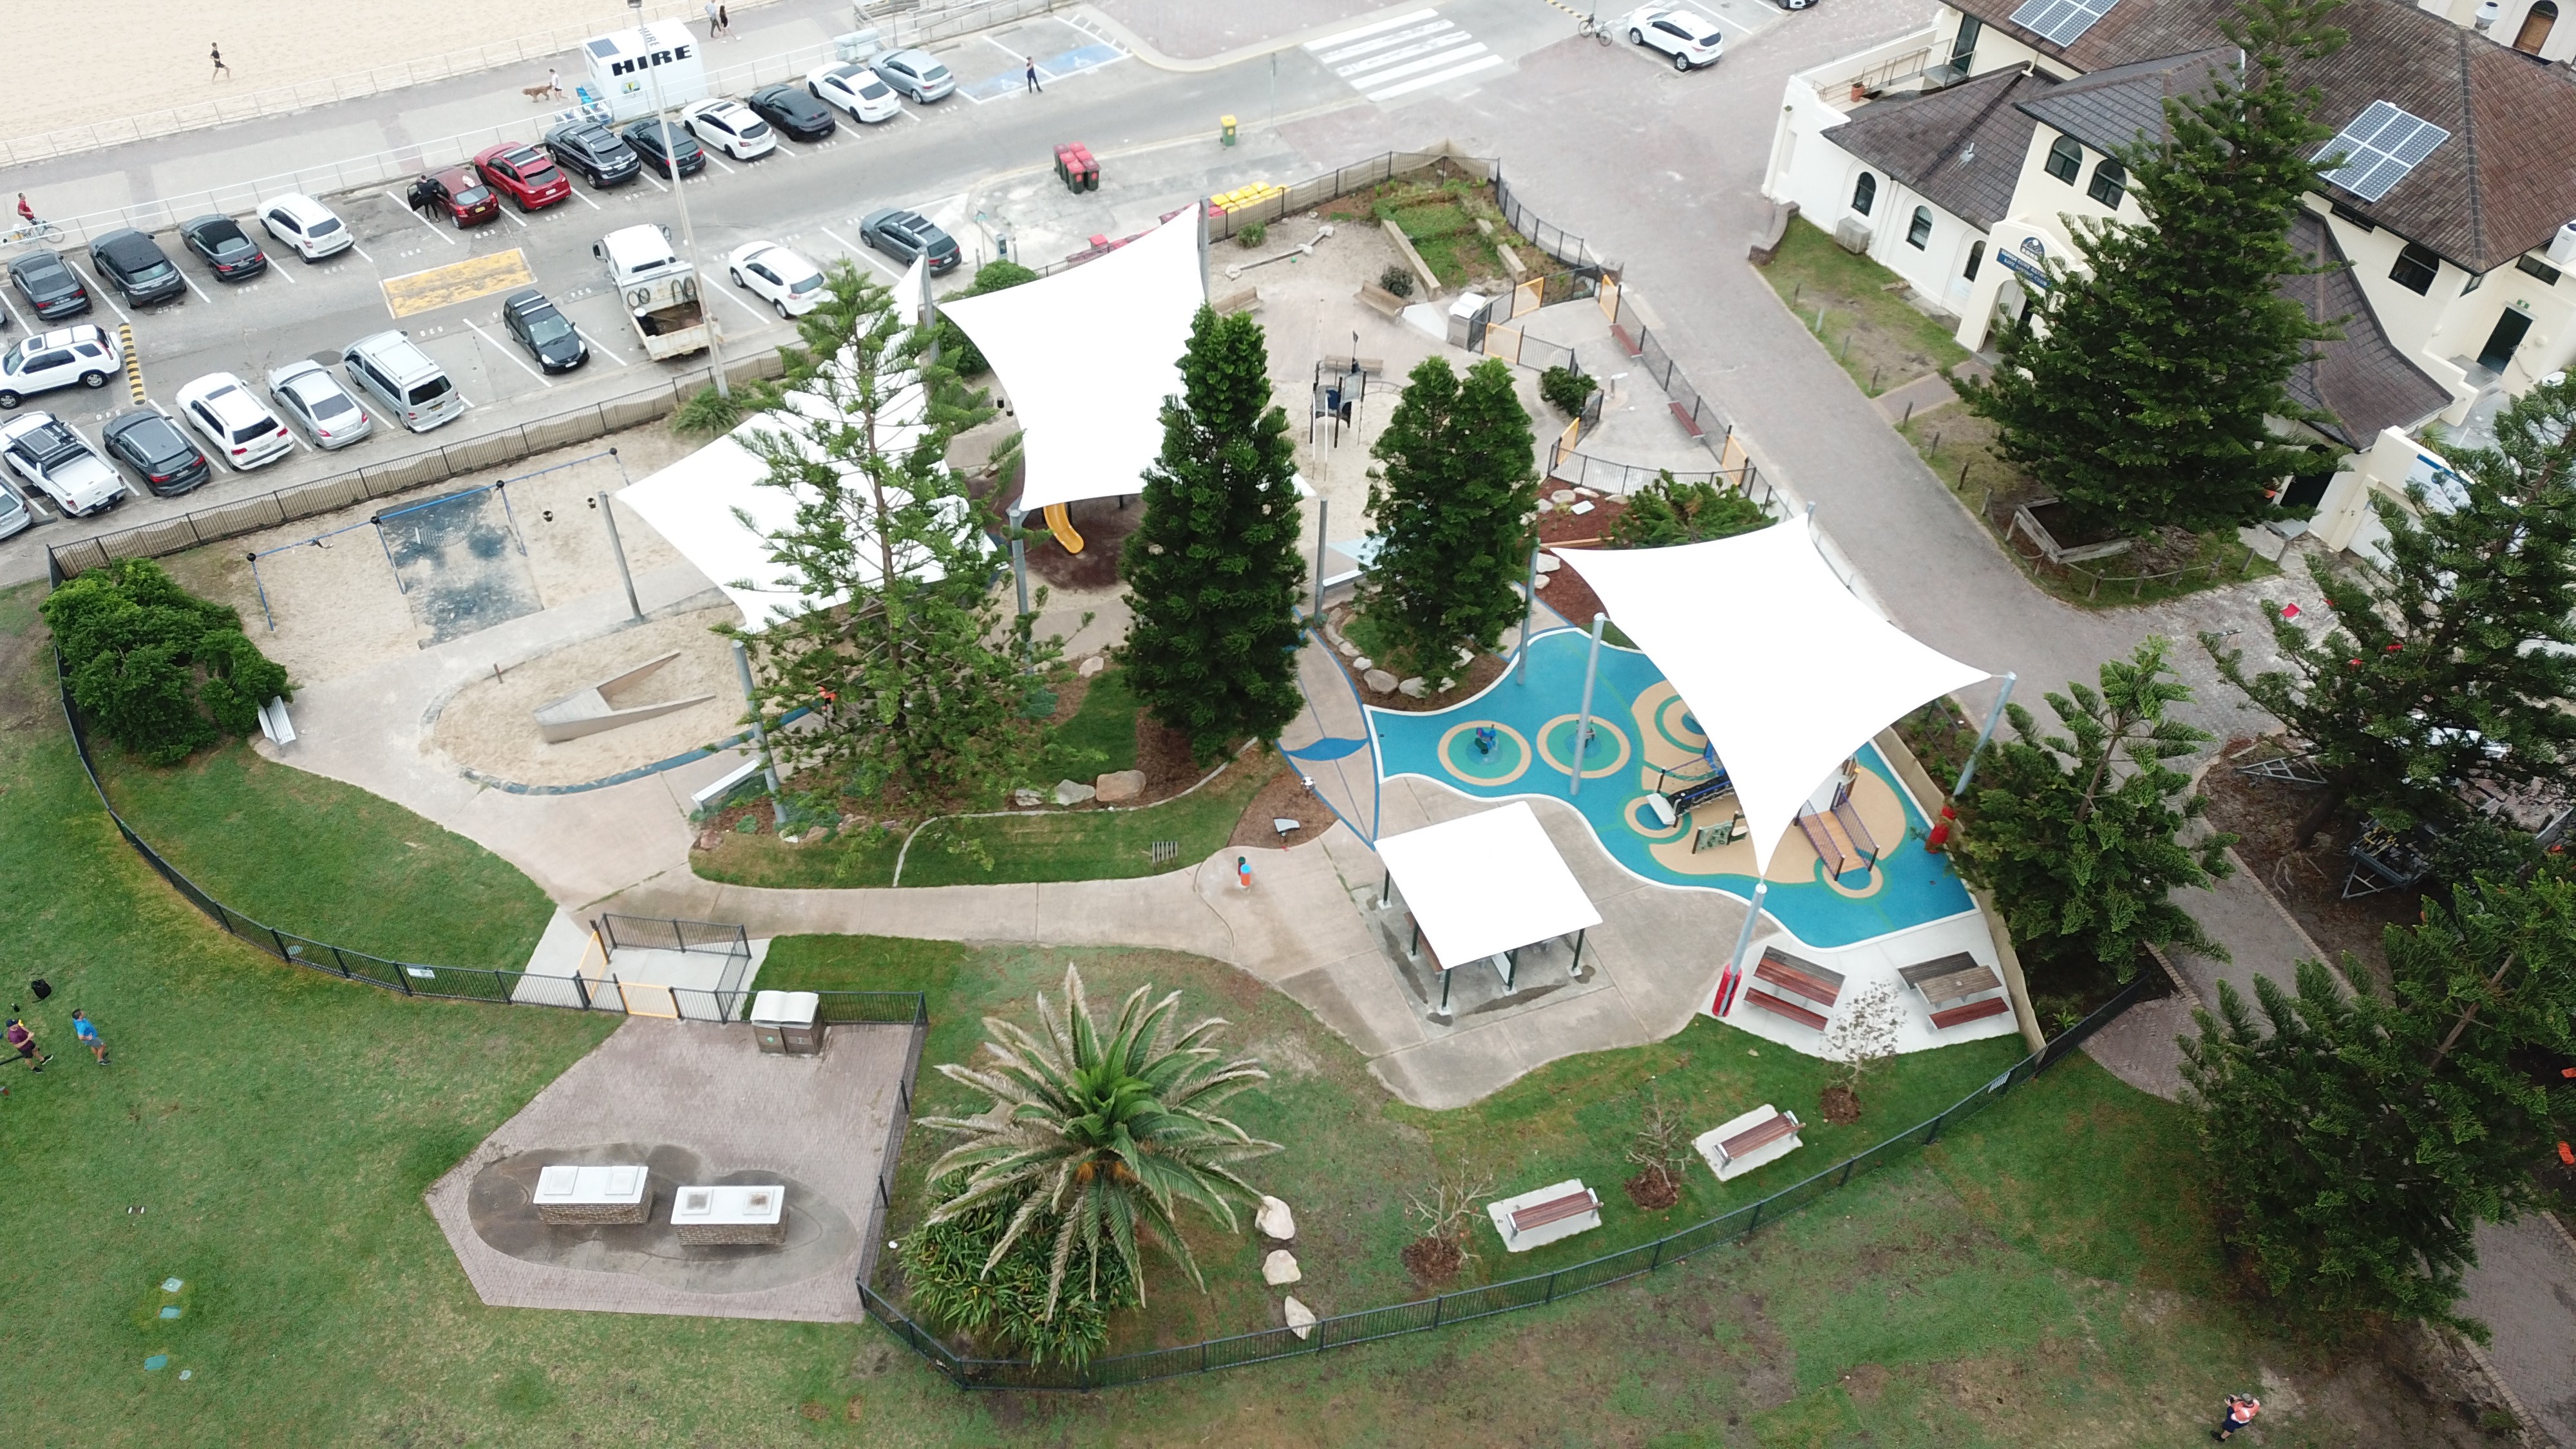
[(1556, 1210), (1778, 1006), (1545, 1215), (1951, 979), (1749, 1142), (1682, 416), (1804, 977), (1744, 1143), (1973, 1011)]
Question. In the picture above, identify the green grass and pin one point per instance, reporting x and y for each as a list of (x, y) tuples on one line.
[(1099, 737), (1088, 844), (1877, 337)]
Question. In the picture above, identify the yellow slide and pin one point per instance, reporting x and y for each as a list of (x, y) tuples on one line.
[(1059, 519)]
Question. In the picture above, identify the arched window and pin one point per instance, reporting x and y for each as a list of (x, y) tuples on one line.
[(1864, 193), (2110, 183), (1921, 230), (2535, 27), (2065, 159), (1976, 259)]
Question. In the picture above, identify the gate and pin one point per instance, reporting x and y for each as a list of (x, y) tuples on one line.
[(643, 1000)]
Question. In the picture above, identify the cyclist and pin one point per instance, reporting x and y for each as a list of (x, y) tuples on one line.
[(26, 213)]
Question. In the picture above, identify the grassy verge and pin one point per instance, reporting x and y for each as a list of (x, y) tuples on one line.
[(1088, 844), (1099, 736), (1877, 337)]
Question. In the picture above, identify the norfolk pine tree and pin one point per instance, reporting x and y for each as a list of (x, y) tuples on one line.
[(1452, 501), (2142, 389), (1213, 570)]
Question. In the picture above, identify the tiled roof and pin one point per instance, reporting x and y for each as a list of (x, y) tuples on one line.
[(2362, 379), (2109, 110), (1960, 148), (2499, 187)]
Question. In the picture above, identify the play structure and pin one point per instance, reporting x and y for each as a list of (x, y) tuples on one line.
[(597, 709), (1059, 521)]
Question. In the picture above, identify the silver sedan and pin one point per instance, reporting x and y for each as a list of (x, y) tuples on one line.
[(318, 405)]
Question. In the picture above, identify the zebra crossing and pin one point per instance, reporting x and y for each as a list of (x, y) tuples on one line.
[(1411, 52)]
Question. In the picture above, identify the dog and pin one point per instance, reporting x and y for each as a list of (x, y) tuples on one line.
[(539, 91)]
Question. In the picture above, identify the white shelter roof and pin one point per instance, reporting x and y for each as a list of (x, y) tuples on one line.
[(1785, 688), (1087, 357), (1486, 883)]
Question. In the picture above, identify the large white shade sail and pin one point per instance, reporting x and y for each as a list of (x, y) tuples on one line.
[(1486, 883)]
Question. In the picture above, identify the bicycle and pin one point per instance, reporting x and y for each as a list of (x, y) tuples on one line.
[(1592, 25), (34, 231)]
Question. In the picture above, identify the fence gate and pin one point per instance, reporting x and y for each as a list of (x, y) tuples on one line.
[(643, 1000), (1529, 295), (1608, 297)]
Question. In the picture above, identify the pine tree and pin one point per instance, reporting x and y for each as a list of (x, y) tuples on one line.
[(919, 681), (1213, 570), (1452, 502), (2430, 674), (2142, 389), (2079, 835), (2362, 1138)]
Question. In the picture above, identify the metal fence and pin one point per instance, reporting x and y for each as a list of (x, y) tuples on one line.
[(1554, 240), (1314, 191), (1536, 1290)]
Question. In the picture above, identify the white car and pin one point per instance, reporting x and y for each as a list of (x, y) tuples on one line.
[(85, 354), (855, 89), (315, 401), (792, 284), (15, 516), (1689, 39), (60, 464), (729, 126), (306, 225), (245, 433)]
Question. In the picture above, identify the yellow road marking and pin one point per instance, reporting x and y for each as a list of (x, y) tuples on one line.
[(133, 364), (457, 282)]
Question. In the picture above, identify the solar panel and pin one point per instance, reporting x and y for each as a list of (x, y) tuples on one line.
[(2061, 21), (2381, 145)]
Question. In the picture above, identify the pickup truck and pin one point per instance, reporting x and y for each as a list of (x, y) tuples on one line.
[(658, 290)]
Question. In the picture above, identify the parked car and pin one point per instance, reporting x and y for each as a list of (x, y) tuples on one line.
[(245, 433), (406, 382), (86, 354), (908, 234), (231, 254), (855, 89), (547, 333), (134, 264), (1689, 39), (687, 156), (15, 516), (51, 290), (730, 127), (149, 441), (794, 112), (315, 402), (306, 225), (792, 284), (593, 152), (58, 463), (522, 173), (459, 192), (916, 73)]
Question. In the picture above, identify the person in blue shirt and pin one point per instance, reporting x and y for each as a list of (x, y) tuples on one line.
[(87, 1031)]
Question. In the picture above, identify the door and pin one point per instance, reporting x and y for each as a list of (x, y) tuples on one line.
[(2502, 342), (2535, 27)]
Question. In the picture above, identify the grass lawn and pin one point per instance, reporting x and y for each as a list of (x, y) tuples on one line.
[(1100, 736), (1877, 337)]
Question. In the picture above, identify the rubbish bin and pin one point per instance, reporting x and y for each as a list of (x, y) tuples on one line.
[(1228, 123), (1076, 168), (784, 1023)]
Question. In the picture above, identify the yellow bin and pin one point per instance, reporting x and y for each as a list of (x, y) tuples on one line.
[(1227, 122)]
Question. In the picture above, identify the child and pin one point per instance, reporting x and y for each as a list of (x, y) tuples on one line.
[(2241, 1409), (87, 1031)]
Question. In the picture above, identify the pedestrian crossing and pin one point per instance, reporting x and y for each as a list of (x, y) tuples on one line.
[(1411, 52)]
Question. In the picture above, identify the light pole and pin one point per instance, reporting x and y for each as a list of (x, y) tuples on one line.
[(680, 193)]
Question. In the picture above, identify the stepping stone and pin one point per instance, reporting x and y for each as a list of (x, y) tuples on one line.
[(1073, 792), (1348, 649), (1363, 663), (1413, 688), (1027, 799), (1549, 563), (1275, 1220), (1542, 581), (1562, 495), (1301, 1319), (1279, 1269)]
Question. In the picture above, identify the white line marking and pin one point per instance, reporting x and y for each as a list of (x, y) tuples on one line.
[(1454, 53), (585, 198), (1470, 68), (647, 173), (100, 292), (362, 251), (12, 311), (719, 165), (865, 254), (1448, 47), (1383, 41), (736, 293), (512, 216), (423, 220), (510, 352), (1329, 41), (193, 287), (281, 273), (584, 333)]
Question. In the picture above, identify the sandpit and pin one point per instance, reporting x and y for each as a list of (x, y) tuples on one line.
[(489, 726)]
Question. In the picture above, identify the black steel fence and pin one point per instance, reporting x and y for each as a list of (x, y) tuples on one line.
[(1554, 240), (1423, 1315)]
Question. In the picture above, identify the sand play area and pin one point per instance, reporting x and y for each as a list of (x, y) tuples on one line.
[(489, 726)]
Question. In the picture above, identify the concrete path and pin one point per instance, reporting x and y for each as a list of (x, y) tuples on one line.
[(2524, 1289)]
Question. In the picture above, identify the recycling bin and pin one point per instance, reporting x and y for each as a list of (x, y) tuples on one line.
[(784, 1023)]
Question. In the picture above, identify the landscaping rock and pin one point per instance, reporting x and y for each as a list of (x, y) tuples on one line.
[(1301, 1319), (1279, 1269), (1027, 799), (1549, 563), (1275, 1220), (1445, 685), (1562, 495), (1349, 649), (1092, 666), (1379, 681), (1413, 688), (1545, 507), (1119, 785), (1073, 792), (1363, 663), (1542, 581)]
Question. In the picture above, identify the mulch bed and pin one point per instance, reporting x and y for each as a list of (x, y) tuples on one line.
[(1840, 1105), (1653, 1190), (2308, 882), (1480, 671), (1566, 592), (1432, 1261), (1285, 797), (1103, 523)]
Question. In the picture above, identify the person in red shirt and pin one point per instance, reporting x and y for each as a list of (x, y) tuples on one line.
[(26, 213), (2241, 1409)]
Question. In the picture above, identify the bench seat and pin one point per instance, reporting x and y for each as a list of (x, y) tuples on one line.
[(1804, 977), (1539, 1215), (1545, 1215), (1973, 1011), (1760, 1136), (1779, 1006), (1747, 1143)]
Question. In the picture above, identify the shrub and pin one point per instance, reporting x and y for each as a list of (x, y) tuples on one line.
[(1667, 512), (707, 414), (1251, 234), (164, 672), (944, 1269), (1397, 279), (1565, 389), (956, 349)]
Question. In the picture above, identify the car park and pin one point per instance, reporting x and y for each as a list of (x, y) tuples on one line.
[(51, 290), (647, 137), (245, 433), (150, 442), (1691, 40), (729, 126), (855, 89), (134, 264), (460, 193), (228, 252), (15, 515), (794, 112), (593, 152), (546, 332), (905, 235), (59, 463), (413, 389), (299, 221), (318, 405), (522, 173), (790, 283), (86, 354), (916, 73)]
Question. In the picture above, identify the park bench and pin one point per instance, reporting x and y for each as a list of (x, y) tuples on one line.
[(1781, 1006), (1539, 1215), (1804, 977), (1973, 1011), (1759, 1137), (1949, 986), (1545, 1214), (569, 1193)]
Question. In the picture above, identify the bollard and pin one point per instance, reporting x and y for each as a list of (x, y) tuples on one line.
[(1226, 127)]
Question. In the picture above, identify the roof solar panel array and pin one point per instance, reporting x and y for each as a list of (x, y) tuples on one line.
[(2060, 21), (2381, 145)]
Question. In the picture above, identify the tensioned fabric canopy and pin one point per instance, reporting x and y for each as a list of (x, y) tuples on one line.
[(1087, 357), (1787, 672), (1486, 883)]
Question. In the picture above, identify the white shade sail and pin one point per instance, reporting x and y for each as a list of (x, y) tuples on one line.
[(1787, 673), (1087, 357), (1486, 883)]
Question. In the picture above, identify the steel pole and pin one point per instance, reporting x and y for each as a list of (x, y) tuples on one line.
[(1968, 771), (1583, 719), (1323, 511), (1529, 611), (1743, 943), (624, 575), (759, 734)]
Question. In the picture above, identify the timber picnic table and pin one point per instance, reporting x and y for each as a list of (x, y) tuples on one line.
[(1949, 986)]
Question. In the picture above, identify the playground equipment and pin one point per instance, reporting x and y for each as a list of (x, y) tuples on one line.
[(1059, 521), (595, 710), (1076, 167)]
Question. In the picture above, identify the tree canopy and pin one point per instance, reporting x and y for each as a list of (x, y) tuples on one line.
[(1452, 497), (162, 671)]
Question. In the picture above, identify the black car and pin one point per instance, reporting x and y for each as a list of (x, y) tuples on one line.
[(546, 333), (593, 152), (53, 290), (147, 441), (793, 112), (135, 265), (908, 234), (219, 239), (646, 137)]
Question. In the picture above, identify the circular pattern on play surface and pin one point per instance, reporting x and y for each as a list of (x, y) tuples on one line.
[(1556, 740), (1645, 826), (1675, 722), (1509, 761)]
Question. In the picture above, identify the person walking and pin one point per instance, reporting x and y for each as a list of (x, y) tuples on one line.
[(87, 1031), (23, 1042), (1034, 87), (2241, 1409), (711, 19), (554, 82), (222, 71), (724, 21)]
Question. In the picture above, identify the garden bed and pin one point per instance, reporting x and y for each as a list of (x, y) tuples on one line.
[(2306, 878), (1438, 209)]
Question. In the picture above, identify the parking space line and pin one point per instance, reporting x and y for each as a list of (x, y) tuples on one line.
[(719, 165), (862, 253), (13, 313), (513, 218), (98, 291), (585, 199), (281, 273), (416, 216), (584, 333), (647, 174), (510, 353), (734, 292), (193, 287), (362, 251)]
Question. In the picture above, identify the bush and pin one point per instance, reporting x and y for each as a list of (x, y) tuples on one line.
[(1565, 389), (943, 1267), (1251, 234), (956, 349), (707, 414), (1397, 279), (164, 672), (1667, 512)]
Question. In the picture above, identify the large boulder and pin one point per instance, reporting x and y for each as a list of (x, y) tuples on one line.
[(1379, 681), (1279, 1268), (1119, 785), (1093, 665), (1301, 1319), (1275, 1220), (1072, 792), (1412, 688)]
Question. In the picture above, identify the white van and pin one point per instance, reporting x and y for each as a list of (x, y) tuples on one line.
[(410, 386)]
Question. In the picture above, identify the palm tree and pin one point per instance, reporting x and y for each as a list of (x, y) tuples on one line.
[(1098, 1138)]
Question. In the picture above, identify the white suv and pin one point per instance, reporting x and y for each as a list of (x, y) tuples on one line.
[(86, 354), (245, 433), (306, 225), (1691, 40), (729, 126), (60, 464)]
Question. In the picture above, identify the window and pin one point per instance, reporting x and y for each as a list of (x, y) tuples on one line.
[(2535, 27), (1963, 46), (2415, 270), (2534, 267), (1976, 259), (1864, 193), (2065, 159), (1921, 230), (2110, 183)]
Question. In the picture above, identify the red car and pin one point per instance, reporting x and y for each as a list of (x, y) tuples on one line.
[(523, 173), (458, 192)]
